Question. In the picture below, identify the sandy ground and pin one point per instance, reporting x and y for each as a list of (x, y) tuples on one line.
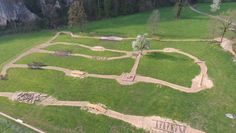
[(227, 45)]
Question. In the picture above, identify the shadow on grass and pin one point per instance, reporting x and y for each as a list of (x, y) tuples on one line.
[(163, 56)]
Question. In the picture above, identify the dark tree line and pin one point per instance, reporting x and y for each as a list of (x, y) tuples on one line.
[(97, 9), (54, 13)]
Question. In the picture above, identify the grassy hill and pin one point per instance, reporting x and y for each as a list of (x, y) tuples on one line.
[(204, 110)]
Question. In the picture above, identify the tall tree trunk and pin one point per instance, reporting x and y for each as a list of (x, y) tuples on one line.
[(179, 8), (223, 35)]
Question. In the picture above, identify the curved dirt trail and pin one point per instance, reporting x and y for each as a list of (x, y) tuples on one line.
[(207, 14), (29, 52), (149, 123), (199, 83), (153, 124)]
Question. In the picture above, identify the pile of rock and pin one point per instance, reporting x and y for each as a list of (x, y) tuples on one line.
[(95, 108), (36, 65), (77, 74), (29, 97)]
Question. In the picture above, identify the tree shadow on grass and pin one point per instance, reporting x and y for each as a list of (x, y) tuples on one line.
[(163, 56)]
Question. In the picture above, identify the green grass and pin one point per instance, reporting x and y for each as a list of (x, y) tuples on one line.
[(80, 50), (65, 119), (224, 7), (8, 126), (171, 67), (120, 45), (197, 25), (204, 110), (113, 67), (11, 46)]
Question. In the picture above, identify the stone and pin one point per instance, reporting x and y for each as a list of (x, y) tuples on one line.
[(77, 74), (29, 97), (15, 10), (230, 116), (170, 127)]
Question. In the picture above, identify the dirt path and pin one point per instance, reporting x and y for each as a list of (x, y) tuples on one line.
[(200, 82), (149, 123), (133, 38), (136, 64), (153, 124), (194, 89), (29, 52), (207, 14), (227, 45), (186, 40)]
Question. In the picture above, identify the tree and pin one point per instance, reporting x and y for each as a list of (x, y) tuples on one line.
[(225, 23), (215, 6), (50, 12), (141, 43), (107, 7), (77, 15), (153, 22), (179, 7)]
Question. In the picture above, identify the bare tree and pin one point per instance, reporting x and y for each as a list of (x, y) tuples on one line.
[(179, 7), (225, 23)]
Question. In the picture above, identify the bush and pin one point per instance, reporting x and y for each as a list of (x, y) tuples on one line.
[(36, 65)]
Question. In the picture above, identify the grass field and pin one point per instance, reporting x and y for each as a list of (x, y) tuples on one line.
[(8, 126), (204, 110), (174, 68), (81, 50), (83, 64)]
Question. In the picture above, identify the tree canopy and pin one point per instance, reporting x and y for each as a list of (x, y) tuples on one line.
[(141, 43)]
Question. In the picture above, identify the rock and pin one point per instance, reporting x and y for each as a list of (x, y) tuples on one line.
[(29, 97), (15, 10), (230, 116)]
